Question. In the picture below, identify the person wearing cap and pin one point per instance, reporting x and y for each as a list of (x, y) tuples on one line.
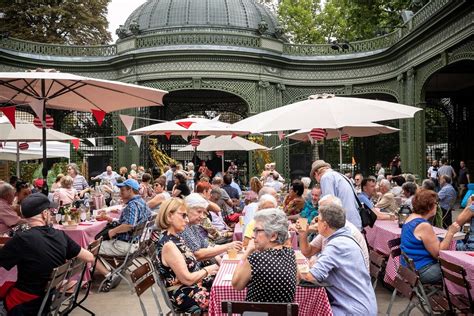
[(35, 253), (336, 184), (9, 218), (135, 212)]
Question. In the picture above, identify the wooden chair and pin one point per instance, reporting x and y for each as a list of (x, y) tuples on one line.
[(270, 309), (394, 246), (144, 279), (457, 275), (404, 283), (55, 292), (377, 266)]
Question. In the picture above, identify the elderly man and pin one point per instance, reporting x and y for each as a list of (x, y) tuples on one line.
[(386, 202), (358, 182), (447, 196), (365, 197), (319, 242), (9, 218), (135, 212), (35, 253), (310, 210), (108, 175), (342, 265), (334, 183), (193, 233)]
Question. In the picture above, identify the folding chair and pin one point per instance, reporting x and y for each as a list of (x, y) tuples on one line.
[(377, 266), (394, 246), (121, 264), (143, 279), (457, 275), (55, 294), (94, 249), (254, 308)]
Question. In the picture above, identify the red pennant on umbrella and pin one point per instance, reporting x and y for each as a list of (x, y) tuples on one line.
[(168, 135), (233, 136), (99, 116), (317, 134), (122, 138), (23, 146), (345, 137), (185, 125), (75, 142), (9, 112)]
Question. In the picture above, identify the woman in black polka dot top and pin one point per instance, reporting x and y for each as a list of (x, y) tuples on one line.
[(268, 269)]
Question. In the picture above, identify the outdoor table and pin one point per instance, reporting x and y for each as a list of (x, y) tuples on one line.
[(312, 301), (238, 235), (381, 233), (466, 260), (113, 211)]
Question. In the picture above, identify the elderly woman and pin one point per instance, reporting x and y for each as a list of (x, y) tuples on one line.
[(79, 182), (178, 268), (294, 201), (408, 191), (268, 269), (418, 240), (66, 193), (180, 188)]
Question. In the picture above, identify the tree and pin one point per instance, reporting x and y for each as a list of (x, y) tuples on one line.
[(299, 20), (56, 21)]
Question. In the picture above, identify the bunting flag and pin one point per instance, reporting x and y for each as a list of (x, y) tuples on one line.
[(99, 116), (281, 135), (353, 161), (185, 125), (233, 136), (75, 142), (137, 139), (92, 140), (127, 121), (9, 112), (168, 135), (345, 137), (122, 138), (37, 106)]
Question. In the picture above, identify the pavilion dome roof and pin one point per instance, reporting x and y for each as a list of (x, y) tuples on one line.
[(163, 16)]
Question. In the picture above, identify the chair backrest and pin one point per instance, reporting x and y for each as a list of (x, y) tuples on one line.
[(272, 309), (94, 247), (143, 278), (377, 263), (394, 246), (457, 275), (405, 281), (53, 297)]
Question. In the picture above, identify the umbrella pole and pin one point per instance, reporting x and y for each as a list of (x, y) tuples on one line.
[(18, 159), (340, 151), (222, 163), (45, 160)]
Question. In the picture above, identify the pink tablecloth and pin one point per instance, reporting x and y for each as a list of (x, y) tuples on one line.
[(84, 233), (380, 234), (238, 235), (7, 275), (464, 259), (312, 301)]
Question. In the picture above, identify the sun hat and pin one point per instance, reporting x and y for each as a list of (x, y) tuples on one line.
[(318, 164), (36, 203), (131, 183)]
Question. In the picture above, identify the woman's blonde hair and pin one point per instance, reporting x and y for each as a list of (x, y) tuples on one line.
[(167, 207), (66, 182)]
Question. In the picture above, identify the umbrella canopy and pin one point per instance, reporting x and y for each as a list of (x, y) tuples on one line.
[(358, 130), (188, 127), (34, 151), (25, 132), (325, 111), (225, 143)]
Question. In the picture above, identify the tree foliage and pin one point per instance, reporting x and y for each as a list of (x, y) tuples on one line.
[(56, 21), (310, 22)]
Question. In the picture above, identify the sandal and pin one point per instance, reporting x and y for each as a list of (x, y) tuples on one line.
[(111, 284)]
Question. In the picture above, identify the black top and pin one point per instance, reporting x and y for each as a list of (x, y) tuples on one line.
[(184, 189), (273, 276), (36, 252), (463, 172)]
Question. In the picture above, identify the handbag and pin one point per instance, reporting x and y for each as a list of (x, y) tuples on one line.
[(367, 216), (104, 233)]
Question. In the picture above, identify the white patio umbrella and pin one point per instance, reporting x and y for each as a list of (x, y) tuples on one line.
[(357, 130), (225, 143), (9, 151), (325, 111), (26, 132), (55, 90)]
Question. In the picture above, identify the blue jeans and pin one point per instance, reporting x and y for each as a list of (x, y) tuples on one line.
[(431, 274)]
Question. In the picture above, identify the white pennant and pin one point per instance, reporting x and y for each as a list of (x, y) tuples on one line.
[(92, 140), (127, 120), (137, 139), (311, 140), (37, 106)]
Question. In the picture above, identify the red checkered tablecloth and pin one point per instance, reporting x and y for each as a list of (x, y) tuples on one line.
[(464, 259), (378, 237), (312, 301)]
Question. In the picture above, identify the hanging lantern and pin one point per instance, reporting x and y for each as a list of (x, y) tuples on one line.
[(317, 134), (49, 122), (345, 137), (24, 146), (195, 142), (219, 153)]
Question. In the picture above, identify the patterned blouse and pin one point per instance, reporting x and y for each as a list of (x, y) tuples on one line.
[(189, 299)]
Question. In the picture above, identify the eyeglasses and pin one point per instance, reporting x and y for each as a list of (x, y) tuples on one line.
[(257, 230)]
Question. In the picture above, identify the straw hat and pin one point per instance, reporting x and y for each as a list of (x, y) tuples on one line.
[(318, 164)]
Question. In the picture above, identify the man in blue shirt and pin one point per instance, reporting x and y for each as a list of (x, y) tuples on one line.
[(365, 197), (341, 264), (447, 196), (310, 209)]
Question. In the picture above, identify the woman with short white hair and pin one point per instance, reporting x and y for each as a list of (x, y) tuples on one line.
[(268, 268)]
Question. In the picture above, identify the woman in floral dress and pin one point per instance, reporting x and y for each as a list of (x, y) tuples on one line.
[(179, 270)]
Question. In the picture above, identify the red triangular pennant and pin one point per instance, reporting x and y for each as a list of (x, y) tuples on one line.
[(233, 135), (9, 112), (122, 138), (168, 135), (185, 125), (75, 142), (99, 116)]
